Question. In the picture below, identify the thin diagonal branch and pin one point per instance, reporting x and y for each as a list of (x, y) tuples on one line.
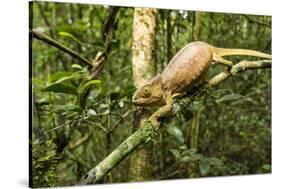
[(239, 67), (107, 29), (73, 146), (40, 36)]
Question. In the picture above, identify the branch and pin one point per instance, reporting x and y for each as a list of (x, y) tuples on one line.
[(40, 36), (107, 29), (143, 135), (109, 23), (147, 133), (73, 146), (239, 67)]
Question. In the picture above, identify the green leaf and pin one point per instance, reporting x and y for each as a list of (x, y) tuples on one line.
[(175, 153), (185, 159), (214, 161), (82, 97), (91, 112), (69, 35), (60, 88), (37, 84), (177, 133), (37, 81), (204, 167), (183, 147), (76, 66), (266, 167), (58, 76), (82, 88), (230, 97)]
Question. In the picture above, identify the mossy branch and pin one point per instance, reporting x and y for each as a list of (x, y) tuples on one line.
[(147, 133), (143, 135)]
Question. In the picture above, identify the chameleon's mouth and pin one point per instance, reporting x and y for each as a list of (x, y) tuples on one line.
[(153, 101), (140, 102), (137, 102)]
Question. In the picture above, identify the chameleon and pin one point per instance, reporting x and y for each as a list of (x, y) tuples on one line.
[(184, 70)]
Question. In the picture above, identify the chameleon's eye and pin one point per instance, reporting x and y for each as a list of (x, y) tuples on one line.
[(146, 93)]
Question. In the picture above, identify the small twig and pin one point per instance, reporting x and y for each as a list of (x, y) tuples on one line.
[(50, 41), (172, 174), (57, 127), (107, 29), (120, 121), (109, 23), (98, 125), (79, 142), (102, 127)]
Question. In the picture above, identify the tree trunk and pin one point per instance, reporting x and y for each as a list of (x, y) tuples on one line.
[(143, 69), (197, 26)]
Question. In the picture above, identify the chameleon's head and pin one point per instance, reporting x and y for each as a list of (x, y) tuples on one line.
[(150, 94)]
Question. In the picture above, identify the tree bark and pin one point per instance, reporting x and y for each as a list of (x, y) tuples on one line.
[(143, 69), (197, 26)]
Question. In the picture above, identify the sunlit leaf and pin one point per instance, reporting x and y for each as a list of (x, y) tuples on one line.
[(91, 112), (76, 66), (230, 97), (176, 133), (204, 167), (66, 34), (266, 167), (59, 75), (60, 88), (87, 85)]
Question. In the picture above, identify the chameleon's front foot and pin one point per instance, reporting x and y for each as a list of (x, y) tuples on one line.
[(161, 112), (154, 122)]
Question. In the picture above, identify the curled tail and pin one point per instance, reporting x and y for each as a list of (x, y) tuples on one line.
[(243, 52)]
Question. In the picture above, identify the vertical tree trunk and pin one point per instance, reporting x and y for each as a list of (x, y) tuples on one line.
[(197, 26), (169, 36), (143, 69)]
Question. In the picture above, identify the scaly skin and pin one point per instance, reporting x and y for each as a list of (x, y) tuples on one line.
[(184, 70)]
